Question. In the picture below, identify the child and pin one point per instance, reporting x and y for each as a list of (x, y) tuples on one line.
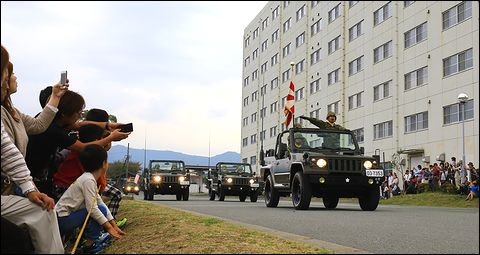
[(73, 206), (473, 191)]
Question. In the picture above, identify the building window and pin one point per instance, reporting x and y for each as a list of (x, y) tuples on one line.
[(245, 81), (273, 131), (334, 45), (416, 78), (314, 3), (274, 83), (355, 31), (359, 136), (247, 61), (301, 13), (283, 127), (299, 95), (355, 101), (273, 107), (274, 59), (255, 33), (244, 160), (286, 76), (253, 139), (333, 107), (255, 54), (275, 36), (454, 113), (265, 24), (263, 112), (253, 160), (298, 120), (316, 56), (254, 96), (247, 42), (262, 135), (286, 3), (263, 90), (316, 27), (275, 13), (315, 114), (253, 117), (300, 39), (284, 100), (416, 35), (382, 14), (352, 3), (416, 122), (286, 50), (245, 101), (458, 62), (255, 75), (381, 91), (245, 141), (382, 52), (263, 68), (245, 121), (457, 14), (264, 45), (299, 66), (315, 86), (334, 13), (334, 77), (383, 130), (355, 66), (286, 25), (407, 3)]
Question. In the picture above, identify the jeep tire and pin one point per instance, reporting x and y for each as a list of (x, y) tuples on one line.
[(271, 194), (150, 194), (211, 193), (186, 194), (145, 194), (254, 197), (221, 193), (330, 202), (301, 191), (369, 201), (242, 198), (179, 195)]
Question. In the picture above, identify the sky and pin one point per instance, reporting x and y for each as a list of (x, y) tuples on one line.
[(173, 69)]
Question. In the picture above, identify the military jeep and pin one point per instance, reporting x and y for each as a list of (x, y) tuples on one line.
[(166, 177), (233, 179), (323, 163)]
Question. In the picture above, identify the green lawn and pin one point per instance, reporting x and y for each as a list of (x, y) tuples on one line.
[(436, 199)]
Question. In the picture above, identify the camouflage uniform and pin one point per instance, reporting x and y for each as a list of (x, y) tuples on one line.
[(324, 124)]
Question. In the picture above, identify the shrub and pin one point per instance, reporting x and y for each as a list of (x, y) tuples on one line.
[(448, 188), (423, 187)]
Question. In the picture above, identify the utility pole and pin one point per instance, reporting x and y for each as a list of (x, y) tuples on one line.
[(126, 168), (145, 153)]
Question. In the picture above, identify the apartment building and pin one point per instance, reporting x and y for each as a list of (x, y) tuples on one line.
[(392, 72)]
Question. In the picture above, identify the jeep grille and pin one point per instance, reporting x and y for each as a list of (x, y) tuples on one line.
[(240, 181), (170, 179), (345, 165)]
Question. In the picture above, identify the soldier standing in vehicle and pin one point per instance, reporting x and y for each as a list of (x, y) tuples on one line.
[(329, 124)]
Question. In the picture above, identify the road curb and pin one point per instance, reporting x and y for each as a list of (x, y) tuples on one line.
[(336, 248)]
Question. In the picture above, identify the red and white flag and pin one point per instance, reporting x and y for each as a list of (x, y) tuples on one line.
[(289, 107)]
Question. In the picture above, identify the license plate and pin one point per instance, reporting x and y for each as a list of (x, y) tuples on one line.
[(185, 183), (374, 173), (254, 185)]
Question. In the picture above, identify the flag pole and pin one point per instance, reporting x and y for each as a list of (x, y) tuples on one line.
[(292, 64)]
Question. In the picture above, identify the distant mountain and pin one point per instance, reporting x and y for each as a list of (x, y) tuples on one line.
[(119, 152)]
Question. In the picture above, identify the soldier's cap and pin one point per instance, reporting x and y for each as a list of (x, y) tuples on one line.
[(331, 114)]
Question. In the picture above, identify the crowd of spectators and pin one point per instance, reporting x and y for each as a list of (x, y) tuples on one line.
[(54, 171)]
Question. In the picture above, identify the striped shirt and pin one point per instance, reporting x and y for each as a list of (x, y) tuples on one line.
[(13, 164)]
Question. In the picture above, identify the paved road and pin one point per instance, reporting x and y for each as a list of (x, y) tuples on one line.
[(389, 229)]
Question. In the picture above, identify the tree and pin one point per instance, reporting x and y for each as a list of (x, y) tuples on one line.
[(118, 167)]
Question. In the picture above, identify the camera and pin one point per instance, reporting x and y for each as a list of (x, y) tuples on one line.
[(63, 78), (126, 128)]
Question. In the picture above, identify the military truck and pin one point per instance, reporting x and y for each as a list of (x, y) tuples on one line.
[(233, 179), (166, 177), (322, 163)]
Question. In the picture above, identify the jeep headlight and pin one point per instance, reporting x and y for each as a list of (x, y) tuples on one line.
[(321, 163), (367, 164), (229, 180), (136, 188), (129, 188), (157, 178), (181, 178), (252, 181)]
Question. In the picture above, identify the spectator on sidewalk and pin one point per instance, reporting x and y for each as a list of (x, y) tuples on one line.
[(472, 191), (473, 171)]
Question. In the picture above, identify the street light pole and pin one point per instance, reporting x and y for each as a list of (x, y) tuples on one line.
[(462, 98)]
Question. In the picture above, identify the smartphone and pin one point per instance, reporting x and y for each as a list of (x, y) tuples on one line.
[(127, 128), (63, 78)]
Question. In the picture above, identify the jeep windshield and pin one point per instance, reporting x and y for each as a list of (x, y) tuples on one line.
[(167, 167), (235, 169), (320, 139)]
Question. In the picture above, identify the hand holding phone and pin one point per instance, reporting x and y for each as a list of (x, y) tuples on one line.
[(126, 128), (63, 78)]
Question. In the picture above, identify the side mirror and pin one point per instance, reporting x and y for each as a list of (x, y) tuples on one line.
[(362, 150)]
